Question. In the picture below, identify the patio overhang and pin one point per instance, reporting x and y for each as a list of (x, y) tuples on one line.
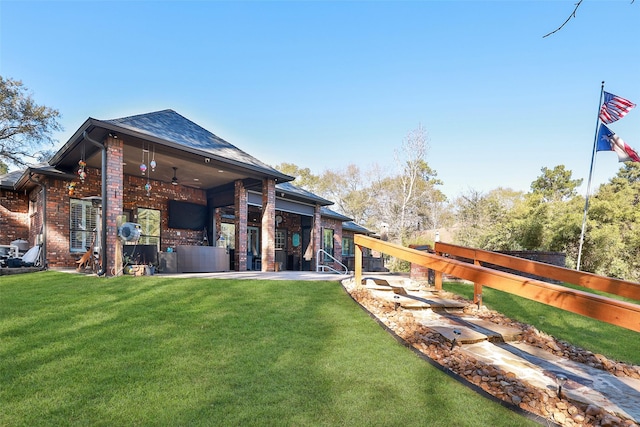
[(198, 168)]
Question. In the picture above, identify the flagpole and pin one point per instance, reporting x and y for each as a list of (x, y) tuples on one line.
[(593, 157)]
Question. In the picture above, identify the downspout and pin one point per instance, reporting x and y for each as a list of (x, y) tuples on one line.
[(103, 237), (44, 218)]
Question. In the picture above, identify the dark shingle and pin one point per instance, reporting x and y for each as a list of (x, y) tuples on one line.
[(174, 128)]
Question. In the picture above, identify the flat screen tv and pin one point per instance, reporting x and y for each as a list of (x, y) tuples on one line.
[(187, 216)]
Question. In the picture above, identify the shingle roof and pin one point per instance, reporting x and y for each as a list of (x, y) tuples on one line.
[(173, 127), (8, 180), (301, 193), (324, 211), (352, 226), (18, 179)]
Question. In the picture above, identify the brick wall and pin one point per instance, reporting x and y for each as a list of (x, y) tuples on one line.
[(14, 216), (242, 211), (135, 196)]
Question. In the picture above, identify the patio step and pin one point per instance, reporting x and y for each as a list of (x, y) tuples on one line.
[(466, 330)]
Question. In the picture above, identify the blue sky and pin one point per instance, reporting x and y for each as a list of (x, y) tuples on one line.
[(326, 84)]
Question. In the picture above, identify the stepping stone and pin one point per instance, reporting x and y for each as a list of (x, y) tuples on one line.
[(494, 332), (459, 334), (435, 302)]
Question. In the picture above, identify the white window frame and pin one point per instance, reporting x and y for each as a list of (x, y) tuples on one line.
[(83, 218)]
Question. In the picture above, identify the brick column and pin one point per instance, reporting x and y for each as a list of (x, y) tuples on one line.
[(268, 224), (337, 243), (115, 185), (317, 235), (241, 213)]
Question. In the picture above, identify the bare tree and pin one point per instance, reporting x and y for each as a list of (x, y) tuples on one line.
[(410, 161)]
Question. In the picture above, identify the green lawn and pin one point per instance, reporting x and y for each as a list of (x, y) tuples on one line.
[(612, 341), (78, 350)]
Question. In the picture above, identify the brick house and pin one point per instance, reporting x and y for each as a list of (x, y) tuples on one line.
[(186, 187)]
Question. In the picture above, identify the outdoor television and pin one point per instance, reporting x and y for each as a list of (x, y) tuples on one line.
[(187, 216)]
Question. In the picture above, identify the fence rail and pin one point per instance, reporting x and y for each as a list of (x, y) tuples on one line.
[(620, 313), (587, 280)]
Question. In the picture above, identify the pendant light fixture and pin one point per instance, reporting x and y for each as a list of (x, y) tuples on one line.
[(174, 180), (152, 163), (143, 166)]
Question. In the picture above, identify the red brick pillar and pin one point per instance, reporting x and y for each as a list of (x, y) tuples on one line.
[(337, 244), (241, 214), (317, 235), (268, 224), (115, 185)]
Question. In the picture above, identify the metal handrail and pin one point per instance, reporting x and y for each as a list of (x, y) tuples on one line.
[(324, 267)]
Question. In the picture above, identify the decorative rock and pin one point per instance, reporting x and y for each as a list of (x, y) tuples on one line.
[(578, 418), (609, 420), (593, 410), (559, 417), (503, 385)]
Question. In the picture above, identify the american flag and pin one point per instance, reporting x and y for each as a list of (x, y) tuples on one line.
[(614, 108)]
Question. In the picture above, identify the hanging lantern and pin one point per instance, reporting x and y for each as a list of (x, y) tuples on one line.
[(153, 160), (143, 168), (147, 188), (81, 170)]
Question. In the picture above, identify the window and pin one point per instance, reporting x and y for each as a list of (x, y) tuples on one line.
[(149, 220), (348, 249), (82, 225), (327, 242), (228, 233), (281, 239)]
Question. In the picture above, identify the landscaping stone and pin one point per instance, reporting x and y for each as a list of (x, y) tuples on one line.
[(436, 343)]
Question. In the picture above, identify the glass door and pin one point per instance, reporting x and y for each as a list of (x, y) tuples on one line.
[(253, 248)]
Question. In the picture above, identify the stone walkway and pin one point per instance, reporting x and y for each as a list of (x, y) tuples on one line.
[(500, 346)]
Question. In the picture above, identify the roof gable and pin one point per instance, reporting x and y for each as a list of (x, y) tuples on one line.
[(174, 128)]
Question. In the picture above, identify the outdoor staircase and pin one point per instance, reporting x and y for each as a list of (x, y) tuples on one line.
[(500, 346)]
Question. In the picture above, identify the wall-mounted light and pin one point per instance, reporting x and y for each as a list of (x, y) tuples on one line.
[(174, 180)]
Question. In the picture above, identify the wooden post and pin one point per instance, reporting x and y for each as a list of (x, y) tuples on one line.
[(358, 265), (477, 289), (438, 276)]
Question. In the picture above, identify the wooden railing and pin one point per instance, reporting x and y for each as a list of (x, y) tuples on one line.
[(586, 280), (620, 313)]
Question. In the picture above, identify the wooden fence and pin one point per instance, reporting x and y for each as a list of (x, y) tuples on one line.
[(620, 313)]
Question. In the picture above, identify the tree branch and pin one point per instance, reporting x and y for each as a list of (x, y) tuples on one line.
[(572, 15)]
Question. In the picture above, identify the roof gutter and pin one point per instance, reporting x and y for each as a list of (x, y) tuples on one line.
[(103, 237)]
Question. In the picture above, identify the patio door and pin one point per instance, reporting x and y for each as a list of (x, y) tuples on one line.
[(281, 248), (253, 248), (306, 223)]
